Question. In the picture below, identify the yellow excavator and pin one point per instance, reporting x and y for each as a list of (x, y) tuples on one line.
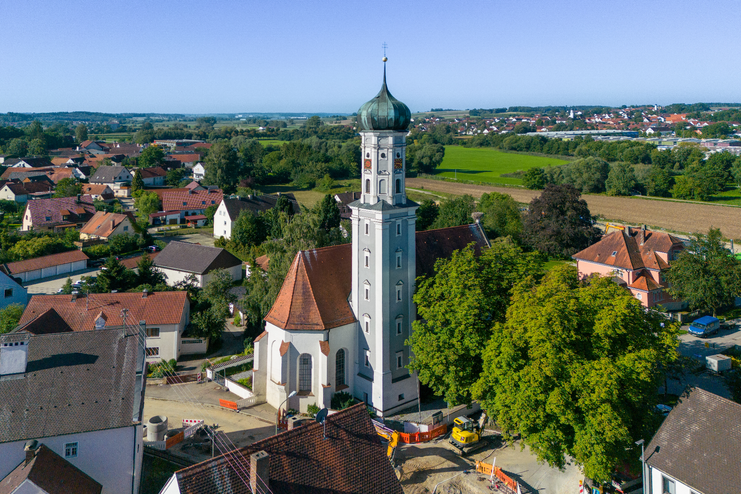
[(391, 437), (467, 434)]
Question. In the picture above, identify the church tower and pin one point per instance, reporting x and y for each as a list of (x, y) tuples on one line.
[(383, 258)]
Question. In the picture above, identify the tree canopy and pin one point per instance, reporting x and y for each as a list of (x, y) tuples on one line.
[(706, 274), (458, 307), (67, 187), (575, 370), (558, 223), (222, 167), (9, 317)]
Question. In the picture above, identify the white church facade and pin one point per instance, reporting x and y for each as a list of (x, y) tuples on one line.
[(343, 315)]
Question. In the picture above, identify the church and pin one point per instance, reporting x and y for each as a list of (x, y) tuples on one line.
[(344, 313)]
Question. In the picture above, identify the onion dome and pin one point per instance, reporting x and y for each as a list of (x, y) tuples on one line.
[(384, 112)]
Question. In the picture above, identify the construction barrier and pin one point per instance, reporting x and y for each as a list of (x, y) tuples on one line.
[(228, 404), (189, 422), (172, 441), (192, 429), (421, 437), (485, 468)]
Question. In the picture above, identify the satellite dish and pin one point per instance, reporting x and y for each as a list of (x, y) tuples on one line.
[(321, 415)]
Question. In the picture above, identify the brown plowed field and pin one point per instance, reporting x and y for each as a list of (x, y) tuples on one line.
[(669, 215)]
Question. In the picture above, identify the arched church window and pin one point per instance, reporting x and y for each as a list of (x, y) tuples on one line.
[(398, 186), (367, 186), (367, 155), (398, 155), (382, 187), (339, 368), (304, 373)]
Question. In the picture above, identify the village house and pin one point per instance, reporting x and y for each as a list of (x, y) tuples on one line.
[(180, 260), (21, 192), (118, 178), (199, 171), (166, 316), (28, 163), (93, 147), (191, 202), (11, 292), (104, 225), (637, 259), (99, 192), (78, 394), (229, 210), (344, 454), (39, 268), (697, 447), (58, 213), (186, 160), (153, 177)]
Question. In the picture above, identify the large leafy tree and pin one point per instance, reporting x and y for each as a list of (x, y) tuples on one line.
[(706, 274), (502, 216), (114, 276), (222, 167), (148, 274), (138, 183), (151, 156), (621, 180), (455, 212), (427, 214), (575, 370), (67, 187), (558, 223), (9, 317), (328, 212), (249, 229), (458, 307), (81, 132)]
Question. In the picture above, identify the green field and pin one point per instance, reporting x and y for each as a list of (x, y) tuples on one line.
[(730, 196), (271, 142), (488, 165)]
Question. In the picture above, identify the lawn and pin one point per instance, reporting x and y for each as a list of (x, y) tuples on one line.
[(488, 165), (271, 142), (310, 197), (731, 196)]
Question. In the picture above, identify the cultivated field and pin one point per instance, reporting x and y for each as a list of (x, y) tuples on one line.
[(488, 165), (674, 216)]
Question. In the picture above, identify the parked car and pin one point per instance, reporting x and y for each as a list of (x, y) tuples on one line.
[(704, 326), (663, 409), (153, 249)]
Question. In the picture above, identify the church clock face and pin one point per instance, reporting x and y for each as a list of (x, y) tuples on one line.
[(398, 164), (367, 165)]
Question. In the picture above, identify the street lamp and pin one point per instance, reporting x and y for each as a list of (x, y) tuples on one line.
[(643, 465), (293, 393)]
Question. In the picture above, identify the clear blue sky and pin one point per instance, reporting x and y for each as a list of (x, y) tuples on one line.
[(189, 56)]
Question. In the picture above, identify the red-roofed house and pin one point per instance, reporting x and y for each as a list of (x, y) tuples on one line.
[(99, 192), (166, 316), (192, 202), (187, 160), (152, 177), (104, 225), (637, 259)]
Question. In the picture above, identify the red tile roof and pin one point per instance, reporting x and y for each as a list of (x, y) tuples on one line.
[(298, 306), (80, 314), (315, 291), (103, 224), (634, 249), (14, 268), (345, 457), (186, 158), (132, 262), (645, 283), (155, 171), (50, 473), (194, 199), (97, 190)]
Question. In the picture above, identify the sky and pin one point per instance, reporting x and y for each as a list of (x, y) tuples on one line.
[(242, 56)]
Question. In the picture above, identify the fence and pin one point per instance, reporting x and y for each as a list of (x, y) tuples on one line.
[(421, 437), (189, 431), (231, 363), (485, 468), (251, 401)]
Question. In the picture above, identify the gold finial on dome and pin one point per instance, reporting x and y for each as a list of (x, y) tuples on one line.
[(385, 59)]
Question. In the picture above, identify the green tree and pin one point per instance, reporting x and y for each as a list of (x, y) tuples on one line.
[(147, 203), (658, 182), (81, 133), (138, 183), (424, 157), (621, 180), (575, 370), (534, 179), (427, 214), (39, 246), (455, 212), (151, 156), (210, 212), (37, 147), (328, 212), (706, 274), (123, 243), (217, 291), (222, 167), (457, 308), (67, 287), (9, 317), (175, 176), (558, 223), (114, 276), (249, 229), (502, 217), (67, 187)]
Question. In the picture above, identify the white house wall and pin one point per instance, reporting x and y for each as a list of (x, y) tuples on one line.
[(222, 222), (68, 268), (656, 480), (111, 457), (174, 276), (19, 295)]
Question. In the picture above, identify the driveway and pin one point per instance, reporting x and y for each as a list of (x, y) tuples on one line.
[(52, 285)]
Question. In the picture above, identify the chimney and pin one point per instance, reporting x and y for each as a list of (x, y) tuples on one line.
[(13, 353), (259, 468), (74, 296), (477, 217), (144, 293), (79, 196), (31, 448)]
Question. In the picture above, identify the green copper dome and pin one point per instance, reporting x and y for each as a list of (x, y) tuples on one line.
[(384, 112)]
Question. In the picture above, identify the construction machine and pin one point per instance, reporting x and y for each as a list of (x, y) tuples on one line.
[(391, 438), (467, 435)]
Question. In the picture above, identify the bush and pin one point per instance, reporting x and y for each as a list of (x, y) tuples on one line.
[(97, 251), (312, 409), (342, 400), (237, 319), (246, 382)]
